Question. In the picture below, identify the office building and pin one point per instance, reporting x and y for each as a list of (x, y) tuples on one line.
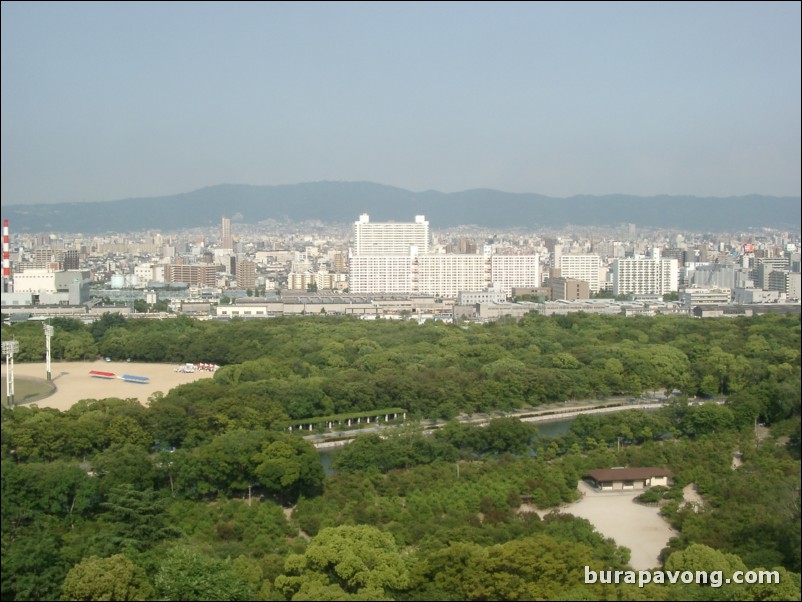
[(569, 289)]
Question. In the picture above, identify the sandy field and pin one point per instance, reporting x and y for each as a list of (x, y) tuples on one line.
[(74, 383), (614, 514)]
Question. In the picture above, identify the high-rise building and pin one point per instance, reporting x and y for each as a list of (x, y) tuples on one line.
[(445, 275), (582, 267), (192, 274), (226, 241), (645, 275), (67, 260), (390, 238), (340, 262), (764, 266), (246, 274), (395, 258), (382, 256), (508, 271), (385, 274)]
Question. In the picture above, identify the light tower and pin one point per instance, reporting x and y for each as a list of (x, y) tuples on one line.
[(9, 349), (48, 334)]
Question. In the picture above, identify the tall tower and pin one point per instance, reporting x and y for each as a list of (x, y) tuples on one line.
[(225, 234), (6, 258)]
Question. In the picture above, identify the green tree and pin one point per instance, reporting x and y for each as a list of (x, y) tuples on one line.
[(187, 574), (135, 519), (113, 578), (106, 322), (121, 464), (345, 563), (33, 567)]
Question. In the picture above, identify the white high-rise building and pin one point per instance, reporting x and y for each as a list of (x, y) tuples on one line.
[(395, 258), (641, 276), (383, 254), (518, 271), (582, 267), (390, 238), (445, 274), (376, 274)]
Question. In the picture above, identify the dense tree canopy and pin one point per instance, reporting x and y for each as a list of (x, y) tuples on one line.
[(206, 494), (319, 366)]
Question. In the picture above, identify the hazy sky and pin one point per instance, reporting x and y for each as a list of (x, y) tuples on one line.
[(103, 101)]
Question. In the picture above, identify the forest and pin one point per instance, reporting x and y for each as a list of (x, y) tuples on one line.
[(204, 494)]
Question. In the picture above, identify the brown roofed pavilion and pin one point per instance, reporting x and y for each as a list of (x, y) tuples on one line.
[(619, 479)]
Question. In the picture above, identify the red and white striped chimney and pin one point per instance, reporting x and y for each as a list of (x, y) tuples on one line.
[(6, 256)]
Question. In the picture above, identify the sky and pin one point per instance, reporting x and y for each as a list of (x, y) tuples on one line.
[(111, 100)]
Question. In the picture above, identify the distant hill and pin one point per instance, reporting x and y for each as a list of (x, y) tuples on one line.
[(343, 202)]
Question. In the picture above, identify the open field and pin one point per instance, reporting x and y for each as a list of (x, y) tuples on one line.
[(616, 515), (73, 382)]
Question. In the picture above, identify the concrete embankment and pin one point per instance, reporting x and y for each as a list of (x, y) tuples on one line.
[(568, 414), (327, 441)]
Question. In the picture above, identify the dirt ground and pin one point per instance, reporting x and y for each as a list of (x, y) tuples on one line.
[(74, 383), (614, 514)]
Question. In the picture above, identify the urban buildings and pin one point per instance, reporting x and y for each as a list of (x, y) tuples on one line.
[(470, 266), (396, 258)]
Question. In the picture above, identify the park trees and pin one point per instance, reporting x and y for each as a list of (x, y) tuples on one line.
[(186, 573), (112, 578), (239, 461), (345, 563)]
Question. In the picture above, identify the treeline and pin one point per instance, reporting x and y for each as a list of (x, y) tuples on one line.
[(317, 366)]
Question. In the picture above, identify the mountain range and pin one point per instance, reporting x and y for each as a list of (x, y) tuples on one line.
[(343, 202)]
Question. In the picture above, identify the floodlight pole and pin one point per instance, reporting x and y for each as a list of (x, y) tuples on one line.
[(48, 334), (9, 349)]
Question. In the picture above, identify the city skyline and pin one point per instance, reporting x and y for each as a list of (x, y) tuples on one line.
[(106, 101)]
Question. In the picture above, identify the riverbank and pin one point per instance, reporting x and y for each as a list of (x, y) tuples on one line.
[(544, 415)]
